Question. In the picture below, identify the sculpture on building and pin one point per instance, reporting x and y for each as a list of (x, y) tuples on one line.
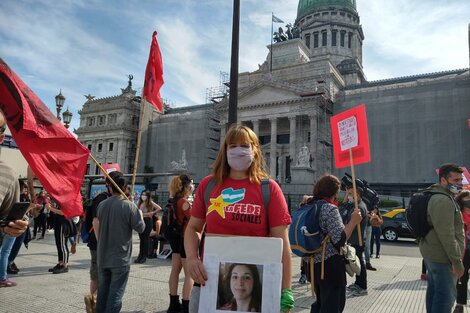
[(181, 164), (291, 33), (89, 97), (303, 158)]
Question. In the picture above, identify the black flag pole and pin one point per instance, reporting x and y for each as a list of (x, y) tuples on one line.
[(233, 94)]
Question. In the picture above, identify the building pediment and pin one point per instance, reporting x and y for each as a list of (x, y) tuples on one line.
[(268, 92)]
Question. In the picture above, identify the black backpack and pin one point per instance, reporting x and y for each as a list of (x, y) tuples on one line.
[(417, 213), (170, 225), (370, 196)]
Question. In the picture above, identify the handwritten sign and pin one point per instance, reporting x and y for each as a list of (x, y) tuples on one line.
[(348, 135)]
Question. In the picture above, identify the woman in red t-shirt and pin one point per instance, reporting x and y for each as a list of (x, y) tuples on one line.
[(235, 205)]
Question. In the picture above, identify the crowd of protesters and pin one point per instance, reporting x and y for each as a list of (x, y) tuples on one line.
[(111, 218)]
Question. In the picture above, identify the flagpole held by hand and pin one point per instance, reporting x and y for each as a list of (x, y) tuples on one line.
[(353, 176), (108, 177)]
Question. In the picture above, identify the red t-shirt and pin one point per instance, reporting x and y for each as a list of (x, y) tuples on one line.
[(182, 216), (236, 208)]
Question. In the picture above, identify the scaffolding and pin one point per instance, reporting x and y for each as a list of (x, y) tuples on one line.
[(217, 93)]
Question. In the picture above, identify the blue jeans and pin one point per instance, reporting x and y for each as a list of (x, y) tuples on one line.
[(5, 250), (368, 233), (16, 247), (112, 283), (441, 291)]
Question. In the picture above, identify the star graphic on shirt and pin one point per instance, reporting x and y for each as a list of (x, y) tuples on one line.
[(218, 204)]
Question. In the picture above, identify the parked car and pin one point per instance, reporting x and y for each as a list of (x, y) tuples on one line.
[(395, 225)]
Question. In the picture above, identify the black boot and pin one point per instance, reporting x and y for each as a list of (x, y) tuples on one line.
[(175, 305), (184, 306)]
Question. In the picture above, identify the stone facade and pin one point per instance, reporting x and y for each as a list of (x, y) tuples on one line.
[(415, 123)]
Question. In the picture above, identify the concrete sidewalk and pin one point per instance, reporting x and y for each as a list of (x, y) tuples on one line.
[(394, 287)]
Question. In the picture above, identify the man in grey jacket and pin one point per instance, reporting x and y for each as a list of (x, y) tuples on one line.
[(442, 248), (115, 219)]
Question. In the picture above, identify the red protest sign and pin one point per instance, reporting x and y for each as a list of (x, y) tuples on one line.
[(349, 132), (112, 167)]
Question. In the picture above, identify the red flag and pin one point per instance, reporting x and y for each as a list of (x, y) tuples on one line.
[(349, 131), (55, 156), (154, 76)]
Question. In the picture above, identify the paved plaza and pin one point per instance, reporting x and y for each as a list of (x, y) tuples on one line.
[(394, 287)]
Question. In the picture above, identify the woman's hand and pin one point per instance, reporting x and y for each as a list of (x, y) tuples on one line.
[(356, 216), (196, 270)]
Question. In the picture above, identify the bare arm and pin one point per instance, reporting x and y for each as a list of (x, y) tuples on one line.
[(52, 209), (192, 238), (96, 227), (282, 232)]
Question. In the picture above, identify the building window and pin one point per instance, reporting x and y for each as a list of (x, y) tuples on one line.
[(341, 39), (97, 170), (87, 169), (100, 147), (307, 40), (90, 121), (323, 38), (101, 119), (264, 139), (334, 34), (89, 147), (350, 35), (308, 137), (283, 139), (315, 40), (111, 146)]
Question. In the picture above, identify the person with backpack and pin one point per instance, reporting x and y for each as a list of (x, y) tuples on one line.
[(235, 206), (331, 290), (463, 200), (149, 209), (443, 245), (178, 215)]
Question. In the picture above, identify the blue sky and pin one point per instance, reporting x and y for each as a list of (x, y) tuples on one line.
[(91, 46)]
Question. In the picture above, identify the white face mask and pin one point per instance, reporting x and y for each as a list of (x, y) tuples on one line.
[(240, 158), (350, 199), (143, 198)]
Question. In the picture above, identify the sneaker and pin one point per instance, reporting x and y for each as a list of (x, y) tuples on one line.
[(73, 249), (302, 279), (53, 268), (7, 283), (60, 270), (370, 267), (359, 292), (14, 267), (458, 308), (11, 270), (377, 256), (352, 287), (89, 303), (424, 277)]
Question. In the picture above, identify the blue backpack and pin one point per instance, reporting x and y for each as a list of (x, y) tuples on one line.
[(305, 233)]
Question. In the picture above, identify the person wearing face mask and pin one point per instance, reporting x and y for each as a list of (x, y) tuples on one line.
[(235, 207), (463, 200), (442, 248), (149, 210)]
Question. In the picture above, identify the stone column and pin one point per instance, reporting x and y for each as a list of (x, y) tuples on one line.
[(292, 139), (272, 159), (256, 127), (313, 139), (223, 127)]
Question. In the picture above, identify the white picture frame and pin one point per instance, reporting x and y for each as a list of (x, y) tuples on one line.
[(263, 254)]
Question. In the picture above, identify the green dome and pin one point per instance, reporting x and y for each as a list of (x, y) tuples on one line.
[(308, 6)]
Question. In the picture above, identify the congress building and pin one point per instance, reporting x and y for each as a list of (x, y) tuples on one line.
[(310, 73)]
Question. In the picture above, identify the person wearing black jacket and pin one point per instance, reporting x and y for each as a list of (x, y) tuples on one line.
[(359, 288)]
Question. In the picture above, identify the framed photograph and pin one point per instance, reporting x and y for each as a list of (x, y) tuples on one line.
[(240, 277)]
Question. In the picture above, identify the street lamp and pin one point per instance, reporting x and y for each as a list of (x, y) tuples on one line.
[(59, 103), (67, 116)]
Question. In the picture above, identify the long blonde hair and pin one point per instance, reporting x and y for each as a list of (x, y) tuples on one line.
[(242, 135), (178, 186)]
